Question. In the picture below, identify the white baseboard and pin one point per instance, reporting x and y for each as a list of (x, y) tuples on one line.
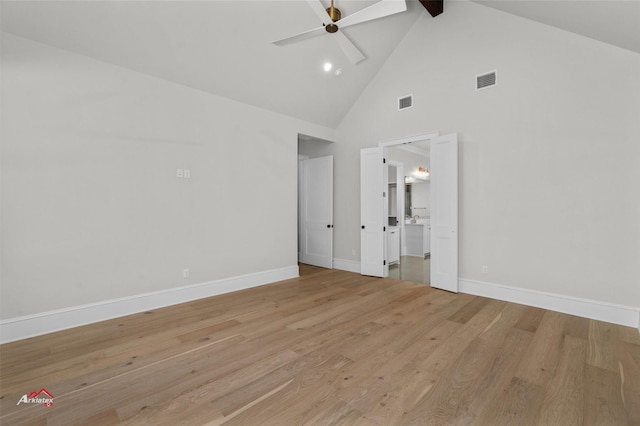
[(47, 322), (593, 309), (347, 265)]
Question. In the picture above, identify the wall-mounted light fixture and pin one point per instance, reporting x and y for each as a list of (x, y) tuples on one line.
[(423, 173)]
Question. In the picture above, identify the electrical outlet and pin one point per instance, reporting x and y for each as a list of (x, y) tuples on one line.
[(185, 273), (179, 173), (187, 174), (485, 269)]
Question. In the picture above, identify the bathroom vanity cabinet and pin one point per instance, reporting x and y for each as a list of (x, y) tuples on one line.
[(393, 245), (418, 239)]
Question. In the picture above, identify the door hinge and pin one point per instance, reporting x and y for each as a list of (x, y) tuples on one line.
[(384, 262), (384, 229), (384, 161)]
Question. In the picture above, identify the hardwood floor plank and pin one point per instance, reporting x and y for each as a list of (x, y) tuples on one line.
[(603, 400), (73, 387), (204, 334), (602, 345), (469, 310), (330, 347), (629, 335), (540, 362), (225, 419), (353, 326), (169, 373), (195, 387), (490, 395), (629, 370), (563, 403), (576, 326), (108, 417), (310, 390), (520, 405), (446, 354), (530, 319), (399, 398), (450, 397), (386, 394), (338, 413), (402, 361)]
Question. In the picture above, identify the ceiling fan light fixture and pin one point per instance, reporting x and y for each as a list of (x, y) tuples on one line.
[(330, 16), (331, 28)]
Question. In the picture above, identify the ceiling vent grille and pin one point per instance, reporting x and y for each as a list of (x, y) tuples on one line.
[(486, 80), (405, 102)]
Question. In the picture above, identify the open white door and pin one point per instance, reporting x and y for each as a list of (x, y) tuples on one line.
[(444, 212), (373, 212), (316, 213)]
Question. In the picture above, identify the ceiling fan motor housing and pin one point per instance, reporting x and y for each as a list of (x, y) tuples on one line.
[(335, 15)]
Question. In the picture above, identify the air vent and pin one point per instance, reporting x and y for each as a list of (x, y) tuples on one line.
[(405, 102), (486, 80)]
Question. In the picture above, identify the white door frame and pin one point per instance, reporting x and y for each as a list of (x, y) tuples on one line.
[(410, 139)]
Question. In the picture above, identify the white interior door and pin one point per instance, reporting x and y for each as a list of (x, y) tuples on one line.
[(373, 212), (316, 215), (444, 212)]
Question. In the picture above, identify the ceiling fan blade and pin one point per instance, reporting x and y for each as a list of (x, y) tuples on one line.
[(319, 9), (378, 10), (349, 49), (299, 37)]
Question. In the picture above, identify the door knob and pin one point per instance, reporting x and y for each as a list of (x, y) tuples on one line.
[(362, 226)]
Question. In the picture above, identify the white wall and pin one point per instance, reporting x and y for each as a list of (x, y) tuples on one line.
[(549, 158), (91, 206)]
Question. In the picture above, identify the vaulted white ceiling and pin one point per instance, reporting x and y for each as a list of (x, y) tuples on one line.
[(224, 47), (615, 22)]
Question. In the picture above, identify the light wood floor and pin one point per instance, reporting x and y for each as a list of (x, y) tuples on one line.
[(330, 347)]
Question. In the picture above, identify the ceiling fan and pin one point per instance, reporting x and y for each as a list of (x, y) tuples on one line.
[(332, 22)]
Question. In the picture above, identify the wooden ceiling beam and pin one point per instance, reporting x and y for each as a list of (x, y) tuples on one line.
[(435, 7)]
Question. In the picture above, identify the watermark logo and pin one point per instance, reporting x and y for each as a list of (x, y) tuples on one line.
[(40, 397)]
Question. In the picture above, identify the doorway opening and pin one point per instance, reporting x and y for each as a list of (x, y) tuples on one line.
[(409, 212), (443, 216), (315, 202)]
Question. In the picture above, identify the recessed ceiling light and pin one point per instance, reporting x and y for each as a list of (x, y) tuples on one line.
[(327, 66), (338, 72)]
